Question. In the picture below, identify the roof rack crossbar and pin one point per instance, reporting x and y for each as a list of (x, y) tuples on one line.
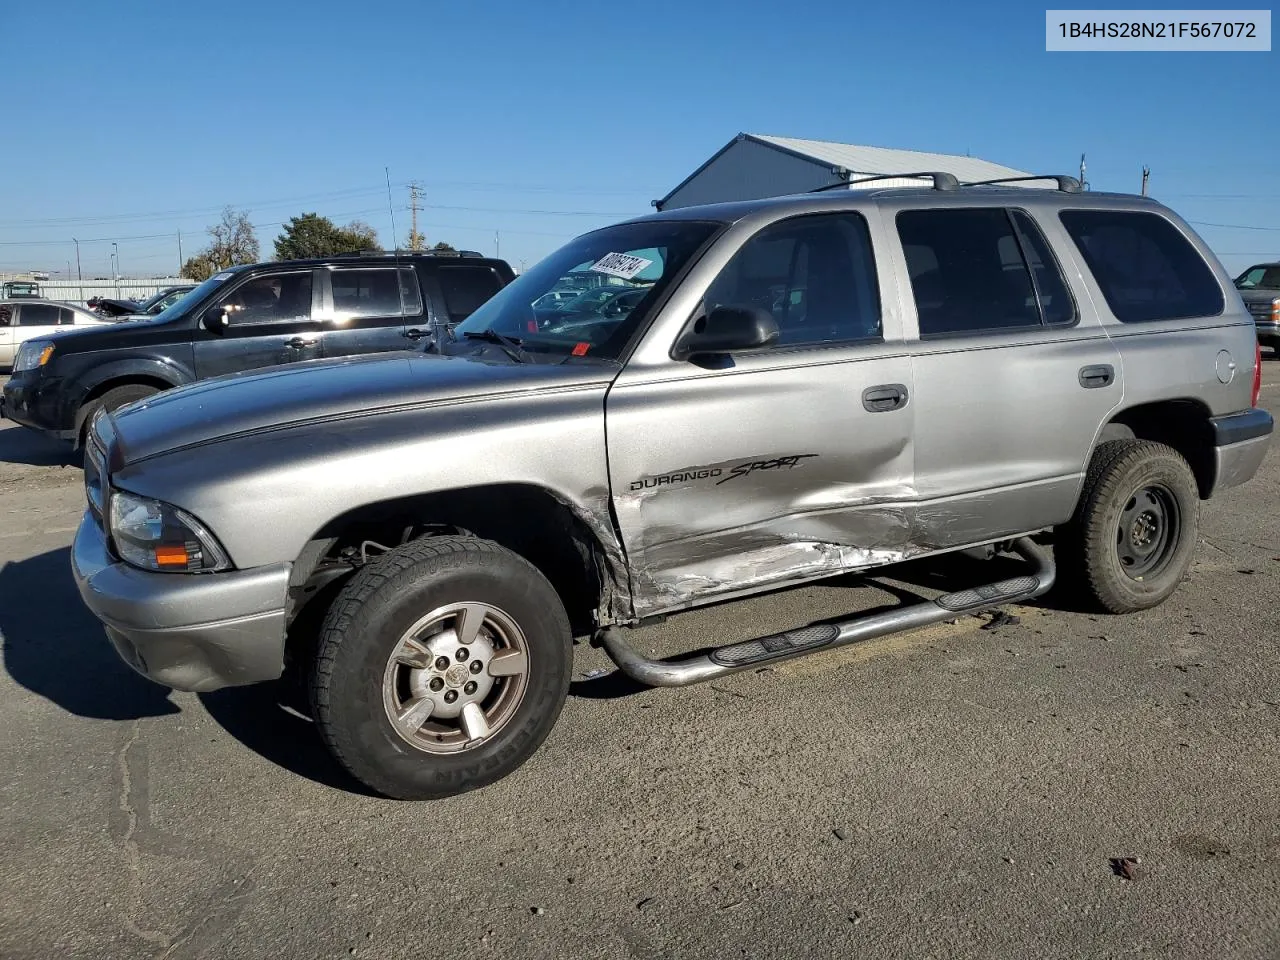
[(1065, 184), (941, 180)]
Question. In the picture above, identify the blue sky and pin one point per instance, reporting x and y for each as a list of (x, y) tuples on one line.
[(544, 120)]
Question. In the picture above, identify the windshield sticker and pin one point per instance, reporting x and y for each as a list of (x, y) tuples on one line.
[(580, 349), (620, 265), (219, 277)]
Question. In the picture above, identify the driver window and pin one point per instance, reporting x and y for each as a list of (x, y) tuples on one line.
[(279, 298), (815, 275)]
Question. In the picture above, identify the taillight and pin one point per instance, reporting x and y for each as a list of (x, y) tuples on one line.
[(1257, 375)]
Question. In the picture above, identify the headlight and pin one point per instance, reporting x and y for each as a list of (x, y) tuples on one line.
[(156, 536), (32, 354)]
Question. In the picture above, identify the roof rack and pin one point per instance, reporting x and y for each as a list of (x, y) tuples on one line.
[(1065, 184), (471, 254), (941, 180)]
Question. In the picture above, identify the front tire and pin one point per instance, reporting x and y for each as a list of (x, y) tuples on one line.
[(442, 666), (1133, 535), (111, 401)]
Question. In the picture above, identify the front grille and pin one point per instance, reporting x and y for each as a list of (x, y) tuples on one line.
[(1261, 309), (95, 479)]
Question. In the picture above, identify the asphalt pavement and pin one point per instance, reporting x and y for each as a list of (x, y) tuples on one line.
[(971, 790)]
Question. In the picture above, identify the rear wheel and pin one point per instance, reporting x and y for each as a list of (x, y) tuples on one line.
[(441, 667), (112, 400), (1133, 535)]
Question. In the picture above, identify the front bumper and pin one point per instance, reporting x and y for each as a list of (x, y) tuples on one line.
[(194, 632), (34, 401), (1268, 331), (1240, 444)]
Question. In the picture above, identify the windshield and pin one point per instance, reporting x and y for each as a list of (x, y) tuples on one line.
[(194, 295), (612, 277), (1266, 276)]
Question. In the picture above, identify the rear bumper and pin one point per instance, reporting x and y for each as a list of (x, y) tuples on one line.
[(187, 631), (1268, 331), (1240, 444)]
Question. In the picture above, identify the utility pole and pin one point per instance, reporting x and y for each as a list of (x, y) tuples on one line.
[(1084, 184), (115, 252), (1146, 175), (79, 276), (497, 245), (181, 262), (416, 240)]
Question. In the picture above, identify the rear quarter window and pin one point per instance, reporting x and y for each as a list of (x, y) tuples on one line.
[(1144, 266), (466, 288)]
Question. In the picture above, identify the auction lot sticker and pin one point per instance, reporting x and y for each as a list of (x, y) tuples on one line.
[(1239, 31), (620, 265)]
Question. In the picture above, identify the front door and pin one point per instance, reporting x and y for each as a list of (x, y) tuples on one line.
[(789, 463), (1012, 380), (270, 322), (370, 309)]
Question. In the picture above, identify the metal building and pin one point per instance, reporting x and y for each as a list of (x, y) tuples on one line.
[(753, 165)]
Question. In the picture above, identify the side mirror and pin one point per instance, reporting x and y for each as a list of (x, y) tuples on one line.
[(727, 329), (216, 320)]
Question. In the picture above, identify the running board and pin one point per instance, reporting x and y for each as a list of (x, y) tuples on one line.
[(680, 672)]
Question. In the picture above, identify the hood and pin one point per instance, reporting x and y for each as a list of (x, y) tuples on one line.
[(1258, 295), (325, 389)]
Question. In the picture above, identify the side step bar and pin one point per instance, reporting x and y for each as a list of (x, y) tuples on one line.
[(682, 671)]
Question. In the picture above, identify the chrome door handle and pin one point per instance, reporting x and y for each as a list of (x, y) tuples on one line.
[(297, 343)]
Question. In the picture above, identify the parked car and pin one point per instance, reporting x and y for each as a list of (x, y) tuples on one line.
[(249, 317), (37, 320), (152, 306), (1259, 287), (421, 536), (15, 289)]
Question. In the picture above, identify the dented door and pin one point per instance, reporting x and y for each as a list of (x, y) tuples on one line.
[(781, 465)]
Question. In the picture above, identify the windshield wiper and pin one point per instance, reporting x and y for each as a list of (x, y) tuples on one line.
[(509, 345)]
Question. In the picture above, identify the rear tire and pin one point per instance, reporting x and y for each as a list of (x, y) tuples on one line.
[(1133, 535), (442, 666)]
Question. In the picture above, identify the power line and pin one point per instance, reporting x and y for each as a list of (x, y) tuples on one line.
[(1231, 226)]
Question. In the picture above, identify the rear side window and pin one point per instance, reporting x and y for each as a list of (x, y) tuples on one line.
[(974, 270), (374, 292), (466, 288), (38, 315), (1145, 267)]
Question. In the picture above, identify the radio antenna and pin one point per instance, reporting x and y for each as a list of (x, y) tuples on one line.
[(395, 237)]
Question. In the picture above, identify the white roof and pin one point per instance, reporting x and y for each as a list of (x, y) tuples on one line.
[(876, 160)]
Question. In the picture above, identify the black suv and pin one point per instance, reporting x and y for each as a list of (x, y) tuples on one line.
[(248, 317)]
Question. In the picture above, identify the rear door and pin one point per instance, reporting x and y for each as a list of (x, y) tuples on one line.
[(369, 309), (271, 322), (1012, 380), (7, 347), (35, 320)]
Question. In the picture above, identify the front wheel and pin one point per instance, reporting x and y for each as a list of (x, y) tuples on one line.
[(442, 666), (1133, 535)]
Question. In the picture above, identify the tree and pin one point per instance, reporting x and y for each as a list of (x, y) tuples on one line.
[(198, 268), (311, 235), (234, 242), (445, 247)]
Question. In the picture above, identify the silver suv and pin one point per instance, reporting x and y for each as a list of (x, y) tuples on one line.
[(804, 386)]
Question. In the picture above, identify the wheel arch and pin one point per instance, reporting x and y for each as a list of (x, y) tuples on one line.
[(560, 538), (1181, 423)]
